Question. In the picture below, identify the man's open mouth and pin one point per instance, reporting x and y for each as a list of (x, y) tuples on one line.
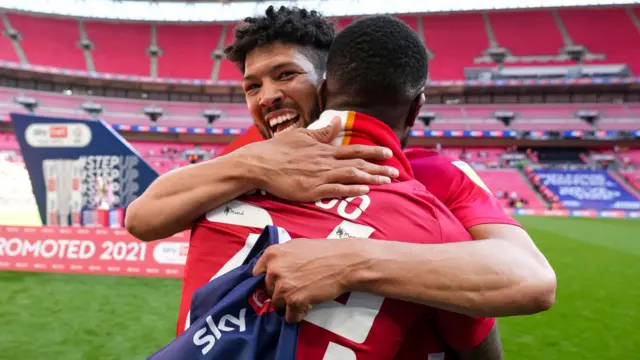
[(284, 123)]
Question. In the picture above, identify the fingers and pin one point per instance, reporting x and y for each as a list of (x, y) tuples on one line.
[(373, 169), (372, 153), (260, 266), (353, 175), (329, 191), (296, 312), (277, 298), (328, 133)]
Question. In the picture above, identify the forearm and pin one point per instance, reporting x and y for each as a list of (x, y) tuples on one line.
[(488, 278), (178, 198)]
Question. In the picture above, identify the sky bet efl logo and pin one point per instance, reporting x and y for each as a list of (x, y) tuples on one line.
[(209, 334)]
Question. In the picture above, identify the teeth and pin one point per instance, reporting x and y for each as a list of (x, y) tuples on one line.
[(288, 128), (282, 118)]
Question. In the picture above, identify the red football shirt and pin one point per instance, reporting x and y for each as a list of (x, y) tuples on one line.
[(458, 187), (364, 325)]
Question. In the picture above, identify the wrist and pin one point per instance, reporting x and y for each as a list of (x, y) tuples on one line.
[(247, 167), (362, 274)]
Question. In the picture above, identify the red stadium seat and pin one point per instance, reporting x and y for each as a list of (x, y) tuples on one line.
[(50, 41), (609, 31), (527, 32), (122, 54), (176, 41), (455, 39)]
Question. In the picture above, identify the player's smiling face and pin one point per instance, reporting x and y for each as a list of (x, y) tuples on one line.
[(280, 85)]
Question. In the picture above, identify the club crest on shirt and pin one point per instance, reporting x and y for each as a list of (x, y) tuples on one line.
[(472, 174), (260, 301)]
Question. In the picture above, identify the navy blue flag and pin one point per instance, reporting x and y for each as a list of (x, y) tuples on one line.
[(232, 318)]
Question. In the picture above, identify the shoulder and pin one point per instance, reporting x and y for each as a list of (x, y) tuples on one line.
[(435, 170), (425, 157), (428, 161)]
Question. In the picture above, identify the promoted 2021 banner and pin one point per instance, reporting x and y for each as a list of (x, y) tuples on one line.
[(90, 251)]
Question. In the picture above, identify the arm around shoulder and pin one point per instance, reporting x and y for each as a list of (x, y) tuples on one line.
[(175, 200)]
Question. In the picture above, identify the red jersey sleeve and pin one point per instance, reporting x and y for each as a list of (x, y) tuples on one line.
[(459, 188), (463, 332), (251, 135)]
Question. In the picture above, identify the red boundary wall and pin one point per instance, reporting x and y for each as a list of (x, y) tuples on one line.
[(116, 252), (90, 251)]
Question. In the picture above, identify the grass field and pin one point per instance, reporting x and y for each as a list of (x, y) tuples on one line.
[(596, 316)]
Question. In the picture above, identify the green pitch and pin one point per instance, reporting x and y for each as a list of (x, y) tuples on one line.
[(596, 316)]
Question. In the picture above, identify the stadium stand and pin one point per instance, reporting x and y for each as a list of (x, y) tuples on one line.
[(456, 40), (49, 41), (112, 55), (620, 42), (199, 41), (632, 177), (448, 117), (544, 37), (510, 183), (228, 70)]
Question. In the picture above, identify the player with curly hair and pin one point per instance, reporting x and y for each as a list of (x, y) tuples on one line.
[(282, 56), (264, 47)]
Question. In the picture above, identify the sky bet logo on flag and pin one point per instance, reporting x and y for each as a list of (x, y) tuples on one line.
[(232, 318)]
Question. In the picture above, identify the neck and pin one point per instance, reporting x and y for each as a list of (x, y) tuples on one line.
[(359, 128), (381, 113)]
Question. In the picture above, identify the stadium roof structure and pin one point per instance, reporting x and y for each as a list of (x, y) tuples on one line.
[(228, 10)]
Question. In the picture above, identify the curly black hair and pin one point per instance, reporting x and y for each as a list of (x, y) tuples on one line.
[(308, 29), (377, 61)]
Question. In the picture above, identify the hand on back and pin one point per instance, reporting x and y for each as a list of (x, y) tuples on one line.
[(302, 165)]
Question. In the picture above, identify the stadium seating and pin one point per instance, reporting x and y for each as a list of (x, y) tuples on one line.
[(543, 38), (632, 155), (50, 41), (509, 181), (632, 177), (485, 156), (198, 41), (455, 39), (8, 142), (448, 117), (124, 53), (228, 70), (620, 42)]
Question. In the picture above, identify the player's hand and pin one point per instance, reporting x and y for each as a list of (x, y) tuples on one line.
[(301, 165), (304, 272)]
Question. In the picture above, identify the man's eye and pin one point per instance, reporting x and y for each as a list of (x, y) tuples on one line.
[(251, 87), (286, 74)]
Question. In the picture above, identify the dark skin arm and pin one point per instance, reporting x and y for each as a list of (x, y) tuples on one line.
[(501, 274), (489, 349)]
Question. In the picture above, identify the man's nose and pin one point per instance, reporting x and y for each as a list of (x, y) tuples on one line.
[(270, 97)]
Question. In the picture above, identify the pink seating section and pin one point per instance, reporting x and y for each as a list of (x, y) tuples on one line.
[(8, 142), (160, 156), (633, 177), (448, 117), (455, 39), (488, 156), (167, 156), (510, 180), (630, 157)]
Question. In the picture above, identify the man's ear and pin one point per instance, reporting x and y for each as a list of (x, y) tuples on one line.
[(414, 109), (322, 95)]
